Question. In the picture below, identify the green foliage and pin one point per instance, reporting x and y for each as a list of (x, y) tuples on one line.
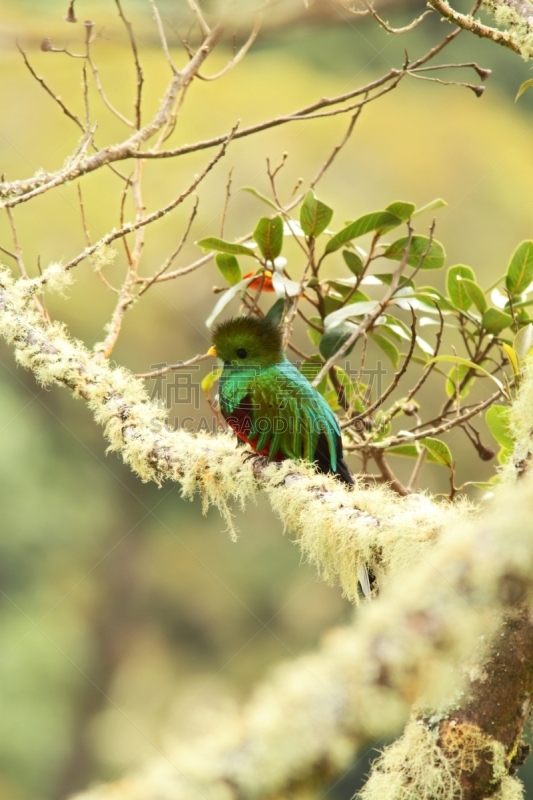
[(229, 267), (456, 288), (423, 253), (382, 313), (221, 246), (315, 216), (520, 270), (269, 236), (375, 221)]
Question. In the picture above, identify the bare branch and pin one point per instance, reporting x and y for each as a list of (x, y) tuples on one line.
[(49, 91), (138, 68), (173, 367), (385, 25), (168, 262), (130, 227), (238, 57), (162, 37)]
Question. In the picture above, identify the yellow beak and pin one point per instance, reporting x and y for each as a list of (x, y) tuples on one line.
[(212, 351)]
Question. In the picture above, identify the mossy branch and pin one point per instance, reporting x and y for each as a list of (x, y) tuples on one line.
[(337, 530), (416, 643), (515, 17), (406, 645)]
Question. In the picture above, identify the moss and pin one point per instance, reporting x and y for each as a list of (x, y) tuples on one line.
[(513, 23), (417, 766)]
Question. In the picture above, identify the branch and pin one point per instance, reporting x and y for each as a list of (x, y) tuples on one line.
[(467, 23), (21, 191), (416, 642), (338, 530)]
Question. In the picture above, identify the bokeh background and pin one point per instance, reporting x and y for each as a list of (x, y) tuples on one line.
[(127, 617)]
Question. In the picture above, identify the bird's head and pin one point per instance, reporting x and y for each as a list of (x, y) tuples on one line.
[(247, 341)]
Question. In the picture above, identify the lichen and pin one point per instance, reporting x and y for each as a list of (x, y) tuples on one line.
[(519, 30), (420, 765)]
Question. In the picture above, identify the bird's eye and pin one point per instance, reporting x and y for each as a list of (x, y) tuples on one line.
[(241, 352)]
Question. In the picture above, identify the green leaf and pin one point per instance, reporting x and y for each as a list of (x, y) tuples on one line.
[(438, 203), (388, 348), (457, 291), (513, 358), (334, 338), (405, 450), (210, 379), (229, 267), (439, 451), (315, 216), (436, 454), (494, 321), (434, 259), (260, 196), (226, 298), (214, 243), (523, 342), (365, 224), (344, 292), (275, 312), (466, 363), (523, 88), (497, 419), (476, 294), (353, 262), (402, 210), (520, 270), (269, 236), (455, 378), (351, 310)]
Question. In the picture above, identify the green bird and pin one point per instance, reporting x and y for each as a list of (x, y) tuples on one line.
[(272, 407), (267, 401)]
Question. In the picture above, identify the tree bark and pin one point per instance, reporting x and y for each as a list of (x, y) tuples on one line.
[(497, 704)]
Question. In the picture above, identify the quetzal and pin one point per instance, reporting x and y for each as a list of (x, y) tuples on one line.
[(270, 405), (267, 401)]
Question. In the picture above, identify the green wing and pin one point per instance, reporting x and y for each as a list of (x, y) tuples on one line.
[(288, 415)]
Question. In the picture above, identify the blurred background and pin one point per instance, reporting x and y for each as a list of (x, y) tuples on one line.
[(125, 615)]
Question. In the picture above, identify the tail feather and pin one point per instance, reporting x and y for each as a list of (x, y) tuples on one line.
[(364, 581)]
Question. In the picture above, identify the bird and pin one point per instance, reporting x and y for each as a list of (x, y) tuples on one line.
[(270, 404)]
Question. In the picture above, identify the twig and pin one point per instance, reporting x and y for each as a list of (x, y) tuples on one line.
[(200, 17), (173, 367), (138, 68), (49, 91), (395, 381), (130, 227), (162, 37), (18, 250), (385, 25), (238, 57), (98, 84), (371, 318), (226, 201), (388, 474), (150, 281)]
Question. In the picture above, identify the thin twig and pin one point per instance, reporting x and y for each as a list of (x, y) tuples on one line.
[(385, 25), (173, 367), (236, 58), (130, 227), (162, 37), (138, 68), (170, 259)]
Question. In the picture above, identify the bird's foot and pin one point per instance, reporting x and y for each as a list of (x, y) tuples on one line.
[(258, 461)]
